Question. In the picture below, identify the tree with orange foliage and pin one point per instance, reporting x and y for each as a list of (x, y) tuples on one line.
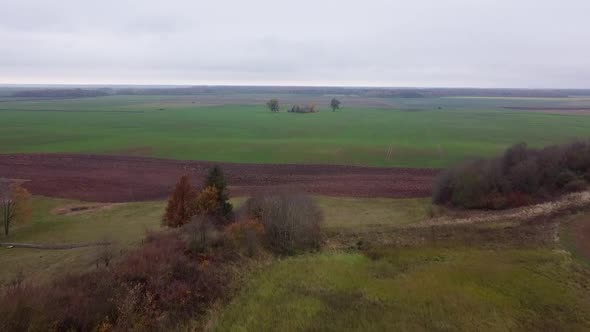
[(181, 204), (207, 203), (15, 205)]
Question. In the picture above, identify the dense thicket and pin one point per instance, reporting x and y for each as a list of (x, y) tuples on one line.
[(520, 176), (211, 202), (291, 221), (156, 287)]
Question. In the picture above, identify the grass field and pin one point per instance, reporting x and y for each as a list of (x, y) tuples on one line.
[(416, 290), (415, 134), (126, 224), (411, 289)]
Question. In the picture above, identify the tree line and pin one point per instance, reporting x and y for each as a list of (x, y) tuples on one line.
[(520, 176)]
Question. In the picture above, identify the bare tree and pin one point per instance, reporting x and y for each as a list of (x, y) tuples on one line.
[(15, 205)]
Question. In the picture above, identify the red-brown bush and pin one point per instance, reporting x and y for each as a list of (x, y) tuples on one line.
[(245, 237), (518, 177), (156, 287)]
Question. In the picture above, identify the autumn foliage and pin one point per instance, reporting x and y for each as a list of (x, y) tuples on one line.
[(211, 202), (180, 206), (520, 176), (245, 236), (207, 202)]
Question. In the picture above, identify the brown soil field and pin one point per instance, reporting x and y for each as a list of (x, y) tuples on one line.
[(103, 178), (554, 110)]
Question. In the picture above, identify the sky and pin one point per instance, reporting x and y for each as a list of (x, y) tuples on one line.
[(409, 43)]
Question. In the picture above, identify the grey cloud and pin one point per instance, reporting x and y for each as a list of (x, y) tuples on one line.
[(502, 43)]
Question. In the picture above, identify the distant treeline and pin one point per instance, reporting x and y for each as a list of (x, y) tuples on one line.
[(320, 91), (62, 93)]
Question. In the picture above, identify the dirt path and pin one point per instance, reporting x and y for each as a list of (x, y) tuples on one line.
[(52, 246), (531, 226), (102, 178), (567, 202)]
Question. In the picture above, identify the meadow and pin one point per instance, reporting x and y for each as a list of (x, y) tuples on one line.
[(126, 225), (416, 289), (420, 132), (450, 287)]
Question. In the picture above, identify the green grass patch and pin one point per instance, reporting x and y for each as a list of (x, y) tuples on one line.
[(360, 214), (415, 290)]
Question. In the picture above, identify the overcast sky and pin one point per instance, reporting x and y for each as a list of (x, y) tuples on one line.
[(427, 43)]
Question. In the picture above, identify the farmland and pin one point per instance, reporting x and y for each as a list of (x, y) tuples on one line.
[(400, 132), (100, 170)]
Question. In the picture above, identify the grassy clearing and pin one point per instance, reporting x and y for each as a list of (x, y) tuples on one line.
[(360, 214), (416, 290), (414, 134), (125, 225)]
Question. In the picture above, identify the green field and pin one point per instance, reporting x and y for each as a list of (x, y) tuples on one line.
[(413, 132)]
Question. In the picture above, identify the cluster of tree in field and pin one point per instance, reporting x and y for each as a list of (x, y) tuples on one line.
[(175, 277), (274, 106), (15, 205), (288, 223), (520, 176)]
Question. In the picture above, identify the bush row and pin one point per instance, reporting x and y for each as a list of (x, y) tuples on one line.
[(520, 176)]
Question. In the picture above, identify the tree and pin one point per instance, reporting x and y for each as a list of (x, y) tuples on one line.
[(335, 104), (273, 105), (216, 179), (181, 204), (207, 203), (15, 205)]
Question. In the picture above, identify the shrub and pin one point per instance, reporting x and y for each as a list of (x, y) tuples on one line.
[(518, 177), (564, 177), (200, 235), (442, 190), (245, 237), (105, 254), (523, 177), (576, 185), (291, 221), (153, 288), (518, 199)]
